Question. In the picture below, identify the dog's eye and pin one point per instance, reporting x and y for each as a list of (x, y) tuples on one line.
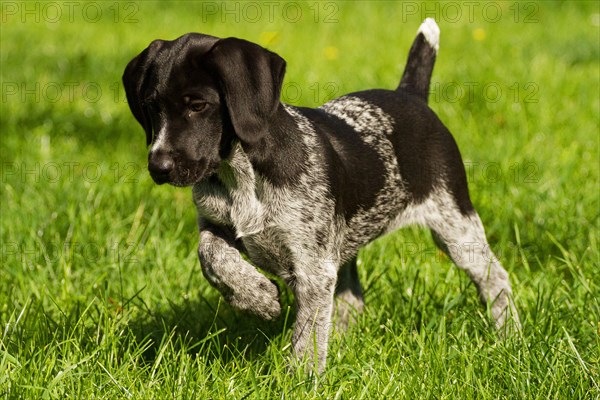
[(197, 105)]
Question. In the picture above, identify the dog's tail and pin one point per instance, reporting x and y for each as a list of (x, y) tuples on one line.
[(421, 58)]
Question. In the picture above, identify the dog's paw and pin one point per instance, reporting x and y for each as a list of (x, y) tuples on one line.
[(267, 302), (260, 297), (506, 317)]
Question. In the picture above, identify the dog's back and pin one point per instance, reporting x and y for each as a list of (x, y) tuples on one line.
[(386, 152)]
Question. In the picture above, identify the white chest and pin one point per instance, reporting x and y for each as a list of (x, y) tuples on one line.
[(232, 199)]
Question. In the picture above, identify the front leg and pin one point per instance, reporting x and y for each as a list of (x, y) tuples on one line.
[(313, 289), (238, 281)]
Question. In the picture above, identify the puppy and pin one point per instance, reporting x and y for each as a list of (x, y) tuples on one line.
[(300, 190)]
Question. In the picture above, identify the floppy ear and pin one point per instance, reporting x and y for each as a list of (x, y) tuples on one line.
[(135, 83), (250, 77)]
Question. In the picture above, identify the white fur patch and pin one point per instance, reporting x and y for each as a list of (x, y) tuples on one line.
[(360, 114), (431, 31), (161, 138)]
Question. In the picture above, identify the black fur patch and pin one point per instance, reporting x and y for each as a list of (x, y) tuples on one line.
[(354, 169), (426, 151)]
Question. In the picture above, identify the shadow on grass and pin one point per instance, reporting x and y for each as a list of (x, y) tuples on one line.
[(208, 326)]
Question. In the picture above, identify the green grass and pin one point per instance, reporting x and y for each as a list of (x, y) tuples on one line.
[(101, 293)]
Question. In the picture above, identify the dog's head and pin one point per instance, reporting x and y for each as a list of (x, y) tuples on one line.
[(196, 94)]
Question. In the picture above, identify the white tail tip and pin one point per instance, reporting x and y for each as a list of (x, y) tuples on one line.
[(431, 31)]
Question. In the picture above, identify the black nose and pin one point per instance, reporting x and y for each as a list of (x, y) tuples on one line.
[(160, 165)]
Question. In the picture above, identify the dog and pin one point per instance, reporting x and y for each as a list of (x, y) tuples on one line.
[(300, 190)]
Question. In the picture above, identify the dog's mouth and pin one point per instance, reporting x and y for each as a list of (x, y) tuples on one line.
[(184, 174)]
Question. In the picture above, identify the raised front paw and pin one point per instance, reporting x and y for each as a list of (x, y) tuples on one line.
[(258, 296)]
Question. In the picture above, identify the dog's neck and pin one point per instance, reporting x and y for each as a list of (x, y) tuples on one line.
[(236, 171)]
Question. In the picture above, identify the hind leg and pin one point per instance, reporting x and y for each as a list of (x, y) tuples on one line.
[(462, 237), (349, 296)]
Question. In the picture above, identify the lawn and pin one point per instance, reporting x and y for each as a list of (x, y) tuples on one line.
[(101, 292)]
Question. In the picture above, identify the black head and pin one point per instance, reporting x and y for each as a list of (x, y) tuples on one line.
[(195, 95)]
